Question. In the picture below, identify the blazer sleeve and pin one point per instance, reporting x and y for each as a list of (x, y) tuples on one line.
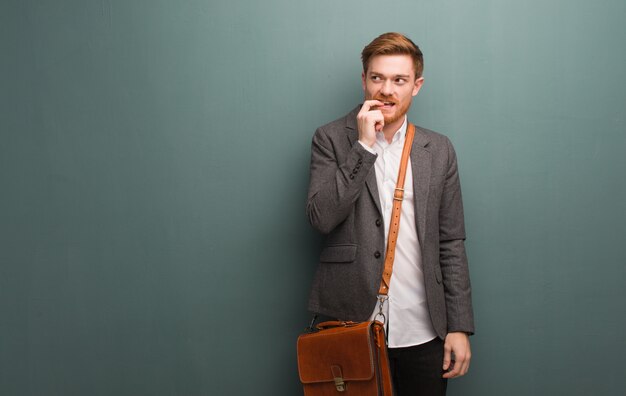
[(337, 178), (452, 256)]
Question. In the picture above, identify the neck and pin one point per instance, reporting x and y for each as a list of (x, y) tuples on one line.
[(390, 129)]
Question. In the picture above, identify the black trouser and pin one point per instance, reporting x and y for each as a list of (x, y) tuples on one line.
[(417, 370)]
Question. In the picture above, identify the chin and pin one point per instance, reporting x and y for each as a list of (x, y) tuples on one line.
[(393, 118)]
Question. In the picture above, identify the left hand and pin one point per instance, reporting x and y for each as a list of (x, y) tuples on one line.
[(456, 343)]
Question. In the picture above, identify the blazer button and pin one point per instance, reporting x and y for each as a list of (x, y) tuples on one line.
[(355, 171), (377, 254), (360, 161), (378, 222), (351, 176)]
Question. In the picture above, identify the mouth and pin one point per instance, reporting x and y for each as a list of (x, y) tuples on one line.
[(387, 104)]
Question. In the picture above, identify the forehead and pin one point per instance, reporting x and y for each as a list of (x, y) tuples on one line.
[(391, 65)]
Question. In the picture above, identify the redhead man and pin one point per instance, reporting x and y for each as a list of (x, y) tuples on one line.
[(354, 167)]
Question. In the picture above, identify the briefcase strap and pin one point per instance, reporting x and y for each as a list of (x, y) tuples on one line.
[(394, 226)]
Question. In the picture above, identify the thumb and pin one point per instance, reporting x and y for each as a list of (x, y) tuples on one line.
[(446, 356)]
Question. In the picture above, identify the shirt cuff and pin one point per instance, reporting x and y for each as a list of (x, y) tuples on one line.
[(366, 147)]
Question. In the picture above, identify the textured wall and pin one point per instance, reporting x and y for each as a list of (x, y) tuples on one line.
[(153, 172)]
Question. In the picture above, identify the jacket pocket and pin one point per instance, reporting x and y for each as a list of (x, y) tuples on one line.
[(338, 254)]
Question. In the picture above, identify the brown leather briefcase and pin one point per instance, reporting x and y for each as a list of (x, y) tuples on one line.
[(344, 358)]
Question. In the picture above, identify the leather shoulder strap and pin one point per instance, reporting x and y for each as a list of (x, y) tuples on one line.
[(394, 227)]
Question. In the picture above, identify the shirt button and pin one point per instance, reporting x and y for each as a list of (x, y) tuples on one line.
[(377, 254)]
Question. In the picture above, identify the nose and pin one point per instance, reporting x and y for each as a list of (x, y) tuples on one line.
[(387, 88)]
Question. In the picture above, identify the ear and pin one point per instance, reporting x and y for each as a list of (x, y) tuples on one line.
[(363, 80), (418, 85)]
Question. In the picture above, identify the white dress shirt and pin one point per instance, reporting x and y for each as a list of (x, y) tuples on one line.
[(406, 311)]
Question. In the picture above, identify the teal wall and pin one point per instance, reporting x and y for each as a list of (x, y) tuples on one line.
[(154, 165)]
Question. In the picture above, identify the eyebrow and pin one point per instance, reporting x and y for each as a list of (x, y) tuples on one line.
[(395, 76)]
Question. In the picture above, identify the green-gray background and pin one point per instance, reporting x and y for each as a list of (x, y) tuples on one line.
[(154, 164)]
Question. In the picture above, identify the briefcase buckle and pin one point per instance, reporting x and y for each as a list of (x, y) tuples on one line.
[(339, 384)]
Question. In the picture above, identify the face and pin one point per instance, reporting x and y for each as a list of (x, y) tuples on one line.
[(391, 79)]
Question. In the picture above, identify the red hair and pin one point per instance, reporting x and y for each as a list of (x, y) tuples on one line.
[(393, 44)]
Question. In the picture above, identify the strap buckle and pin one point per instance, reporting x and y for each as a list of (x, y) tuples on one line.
[(381, 302), (398, 194)]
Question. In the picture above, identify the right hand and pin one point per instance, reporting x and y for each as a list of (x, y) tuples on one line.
[(369, 121)]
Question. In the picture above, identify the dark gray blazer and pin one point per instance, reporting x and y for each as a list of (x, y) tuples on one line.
[(343, 203)]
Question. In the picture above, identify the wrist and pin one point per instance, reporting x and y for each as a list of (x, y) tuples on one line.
[(367, 147)]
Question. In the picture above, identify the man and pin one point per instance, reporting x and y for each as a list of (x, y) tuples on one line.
[(354, 167)]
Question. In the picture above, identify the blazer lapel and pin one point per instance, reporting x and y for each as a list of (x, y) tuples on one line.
[(421, 168)]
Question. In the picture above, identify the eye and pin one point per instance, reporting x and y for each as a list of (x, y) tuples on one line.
[(375, 78), (400, 81)]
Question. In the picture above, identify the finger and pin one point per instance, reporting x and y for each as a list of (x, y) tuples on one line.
[(465, 368), (460, 366), (368, 104), (466, 365), (378, 118), (463, 359), (455, 372), (379, 123)]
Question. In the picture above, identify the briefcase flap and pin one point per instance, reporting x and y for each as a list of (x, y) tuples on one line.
[(345, 351)]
